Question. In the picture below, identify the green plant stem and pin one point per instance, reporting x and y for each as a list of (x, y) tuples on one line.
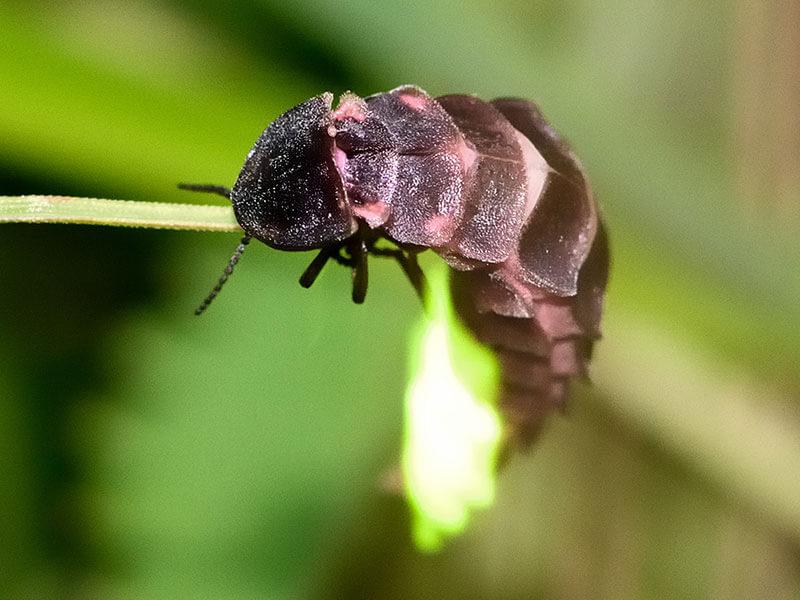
[(121, 213)]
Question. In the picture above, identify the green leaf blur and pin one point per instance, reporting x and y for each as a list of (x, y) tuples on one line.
[(145, 453)]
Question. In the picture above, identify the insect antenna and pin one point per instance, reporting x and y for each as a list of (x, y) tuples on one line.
[(224, 277), (204, 187)]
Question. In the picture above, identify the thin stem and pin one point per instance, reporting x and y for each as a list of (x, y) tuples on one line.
[(121, 213)]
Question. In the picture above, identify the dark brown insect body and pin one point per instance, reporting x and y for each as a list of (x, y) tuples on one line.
[(489, 186)]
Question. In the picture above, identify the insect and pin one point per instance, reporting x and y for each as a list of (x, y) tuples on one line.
[(489, 186)]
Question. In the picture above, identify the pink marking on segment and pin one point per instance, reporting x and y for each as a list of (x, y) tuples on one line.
[(374, 213), (466, 155), (340, 159), (565, 360), (350, 109), (417, 103), (438, 225), (556, 319)]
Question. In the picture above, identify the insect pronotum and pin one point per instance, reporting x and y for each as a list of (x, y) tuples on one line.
[(489, 186)]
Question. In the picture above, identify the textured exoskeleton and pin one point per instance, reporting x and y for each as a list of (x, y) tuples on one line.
[(489, 186)]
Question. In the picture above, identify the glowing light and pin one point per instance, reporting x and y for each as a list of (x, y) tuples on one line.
[(452, 429)]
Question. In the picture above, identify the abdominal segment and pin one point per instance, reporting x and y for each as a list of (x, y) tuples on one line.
[(418, 142)]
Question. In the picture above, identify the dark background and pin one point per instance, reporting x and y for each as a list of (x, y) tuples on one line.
[(148, 454)]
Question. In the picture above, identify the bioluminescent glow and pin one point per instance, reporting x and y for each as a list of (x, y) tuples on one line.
[(452, 431)]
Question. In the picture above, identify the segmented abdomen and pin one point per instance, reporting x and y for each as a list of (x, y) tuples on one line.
[(494, 190), (544, 319), (540, 353)]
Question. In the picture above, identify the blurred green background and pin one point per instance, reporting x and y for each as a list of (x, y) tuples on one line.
[(148, 454)]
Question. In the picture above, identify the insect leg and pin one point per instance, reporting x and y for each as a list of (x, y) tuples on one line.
[(408, 262), (311, 273), (224, 277), (202, 187), (358, 251), (415, 275)]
